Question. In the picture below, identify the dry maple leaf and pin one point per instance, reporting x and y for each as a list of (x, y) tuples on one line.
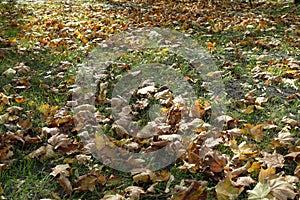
[(260, 191), (284, 137), (226, 190), (60, 169), (43, 153), (59, 140), (86, 182), (82, 159), (243, 181), (290, 122), (256, 131), (216, 161), (272, 160), (281, 189), (266, 174)]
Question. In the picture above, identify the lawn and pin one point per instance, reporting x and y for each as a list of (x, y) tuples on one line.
[(149, 99)]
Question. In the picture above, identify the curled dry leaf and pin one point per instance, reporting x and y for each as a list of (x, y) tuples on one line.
[(9, 72), (196, 191), (60, 140), (134, 192), (43, 153), (284, 137), (113, 197), (83, 159), (216, 161), (60, 169), (290, 122)]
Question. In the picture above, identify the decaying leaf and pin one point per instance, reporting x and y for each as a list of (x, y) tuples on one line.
[(272, 160), (281, 189), (134, 192), (65, 183), (244, 181), (256, 131), (226, 190), (113, 197), (59, 140), (196, 191), (284, 137), (86, 182), (43, 153)]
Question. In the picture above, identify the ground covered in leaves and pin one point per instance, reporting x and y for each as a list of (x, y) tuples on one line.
[(256, 154)]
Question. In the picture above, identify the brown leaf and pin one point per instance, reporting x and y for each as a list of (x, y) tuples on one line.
[(281, 189), (86, 182), (216, 161), (43, 153), (60, 169), (59, 140), (82, 159), (65, 183), (272, 160), (113, 197), (159, 176), (290, 122), (196, 191), (256, 131), (284, 137), (134, 192), (244, 181)]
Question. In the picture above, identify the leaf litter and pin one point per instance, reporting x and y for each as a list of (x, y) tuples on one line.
[(235, 162)]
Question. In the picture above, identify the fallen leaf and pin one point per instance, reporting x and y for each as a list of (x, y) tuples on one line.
[(65, 183), (266, 174), (60, 169), (134, 192), (272, 160), (281, 189), (113, 197), (260, 191), (226, 190), (86, 183), (244, 181)]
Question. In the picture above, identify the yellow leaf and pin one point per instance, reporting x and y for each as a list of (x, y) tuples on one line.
[(266, 174), (12, 40), (165, 51), (248, 110), (44, 108), (211, 46), (255, 166), (225, 190)]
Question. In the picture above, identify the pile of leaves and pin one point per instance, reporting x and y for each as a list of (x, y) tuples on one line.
[(256, 155)]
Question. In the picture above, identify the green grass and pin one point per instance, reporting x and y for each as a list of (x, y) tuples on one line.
[(30, 179)]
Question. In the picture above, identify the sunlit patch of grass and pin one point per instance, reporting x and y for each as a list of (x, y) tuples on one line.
[(27, 179)]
